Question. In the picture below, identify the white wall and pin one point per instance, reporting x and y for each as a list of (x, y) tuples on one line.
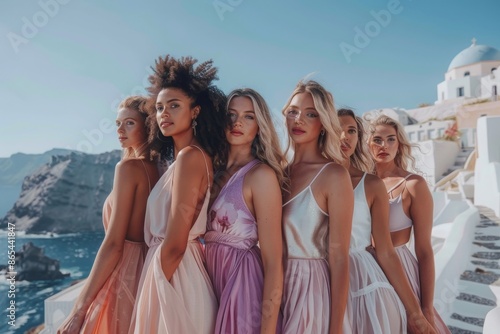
[(488, 81), (427, 131), (434, 158), (453, 257), (487, 171)]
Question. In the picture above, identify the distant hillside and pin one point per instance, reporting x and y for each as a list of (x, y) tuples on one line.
[(65, 195), (14, 169)]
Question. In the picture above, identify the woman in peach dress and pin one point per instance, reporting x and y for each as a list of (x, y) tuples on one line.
[(176, 295), (106, 302)]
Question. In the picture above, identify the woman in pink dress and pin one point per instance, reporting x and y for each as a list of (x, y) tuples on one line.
[(317, 216), (375, 306), (243, 239), (411, 208), (175, 293), (106, 302)]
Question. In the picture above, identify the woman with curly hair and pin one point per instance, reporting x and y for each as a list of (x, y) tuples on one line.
[(317, 215), (411, 208), (176, 294), (375, 306), (106, 302), (243, 239)]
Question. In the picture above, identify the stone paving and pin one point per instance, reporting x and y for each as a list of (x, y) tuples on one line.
[(456, 330), (484, 270), (476, 299)]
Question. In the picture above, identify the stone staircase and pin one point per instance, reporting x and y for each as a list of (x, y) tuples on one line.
[(475, 298), (460, 160)]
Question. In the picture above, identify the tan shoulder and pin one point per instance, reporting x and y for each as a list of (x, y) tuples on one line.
[(192, 155), (334, 170), (374, 185), (331, 176), (261, 173), (416, 184), (129, 166)]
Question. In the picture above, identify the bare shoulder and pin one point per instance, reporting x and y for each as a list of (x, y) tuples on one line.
[(334, 179), (333, 172), (417, 184), (193, 157), (262, 178), (261, 173), (128, 167), (374, 184), (375, 189)]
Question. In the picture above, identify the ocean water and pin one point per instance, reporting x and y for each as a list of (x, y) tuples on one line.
[(76, 254)]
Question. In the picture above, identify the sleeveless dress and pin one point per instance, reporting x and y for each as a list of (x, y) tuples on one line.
[(234, 261), (373, 304), (306, 290), (112, 308), (186, 303), (398, 220)]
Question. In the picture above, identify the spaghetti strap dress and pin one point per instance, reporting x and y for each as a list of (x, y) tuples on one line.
[(111, 310), (398, 220), (306, 290), (186, 303), (234, 261), (373, 304)]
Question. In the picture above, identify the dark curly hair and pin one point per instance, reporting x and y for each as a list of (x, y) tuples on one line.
[(196, 83)]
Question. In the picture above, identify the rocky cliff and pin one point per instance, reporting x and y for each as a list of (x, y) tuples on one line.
[(15, 168), (65, 195)]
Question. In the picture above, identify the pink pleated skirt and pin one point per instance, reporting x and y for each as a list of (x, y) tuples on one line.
[(112, 308), (410, 266), (306, 297)]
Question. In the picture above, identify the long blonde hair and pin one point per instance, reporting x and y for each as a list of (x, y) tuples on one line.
[(329, 142), (266, 146), (361, 158), (403, 158)]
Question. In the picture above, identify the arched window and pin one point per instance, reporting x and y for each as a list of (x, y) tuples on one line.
[(466, 74)]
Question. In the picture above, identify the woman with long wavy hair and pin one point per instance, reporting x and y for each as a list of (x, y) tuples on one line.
[(380, 295), (317, 215), (411, 208), (243, 239)]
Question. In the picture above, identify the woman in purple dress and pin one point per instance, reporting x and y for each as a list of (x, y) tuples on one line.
[(243, 239)]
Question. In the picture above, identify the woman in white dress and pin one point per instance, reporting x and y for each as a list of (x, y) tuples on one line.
[(375, 306), (175, 292)]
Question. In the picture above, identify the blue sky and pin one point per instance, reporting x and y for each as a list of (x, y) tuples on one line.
[(65, 64)]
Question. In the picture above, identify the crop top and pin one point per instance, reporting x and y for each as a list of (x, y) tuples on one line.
[(398, 220)]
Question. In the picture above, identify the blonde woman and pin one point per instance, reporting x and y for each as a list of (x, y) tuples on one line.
[(375, 306), (317, 215), (106, 302), (243, 239), (411, 208)]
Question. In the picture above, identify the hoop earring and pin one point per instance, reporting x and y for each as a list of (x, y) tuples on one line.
[(322, 133), (193, 125)]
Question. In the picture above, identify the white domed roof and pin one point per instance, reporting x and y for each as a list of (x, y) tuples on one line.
[(474, 54)]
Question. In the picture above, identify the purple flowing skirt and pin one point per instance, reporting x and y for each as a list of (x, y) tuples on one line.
[(238, 279)]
